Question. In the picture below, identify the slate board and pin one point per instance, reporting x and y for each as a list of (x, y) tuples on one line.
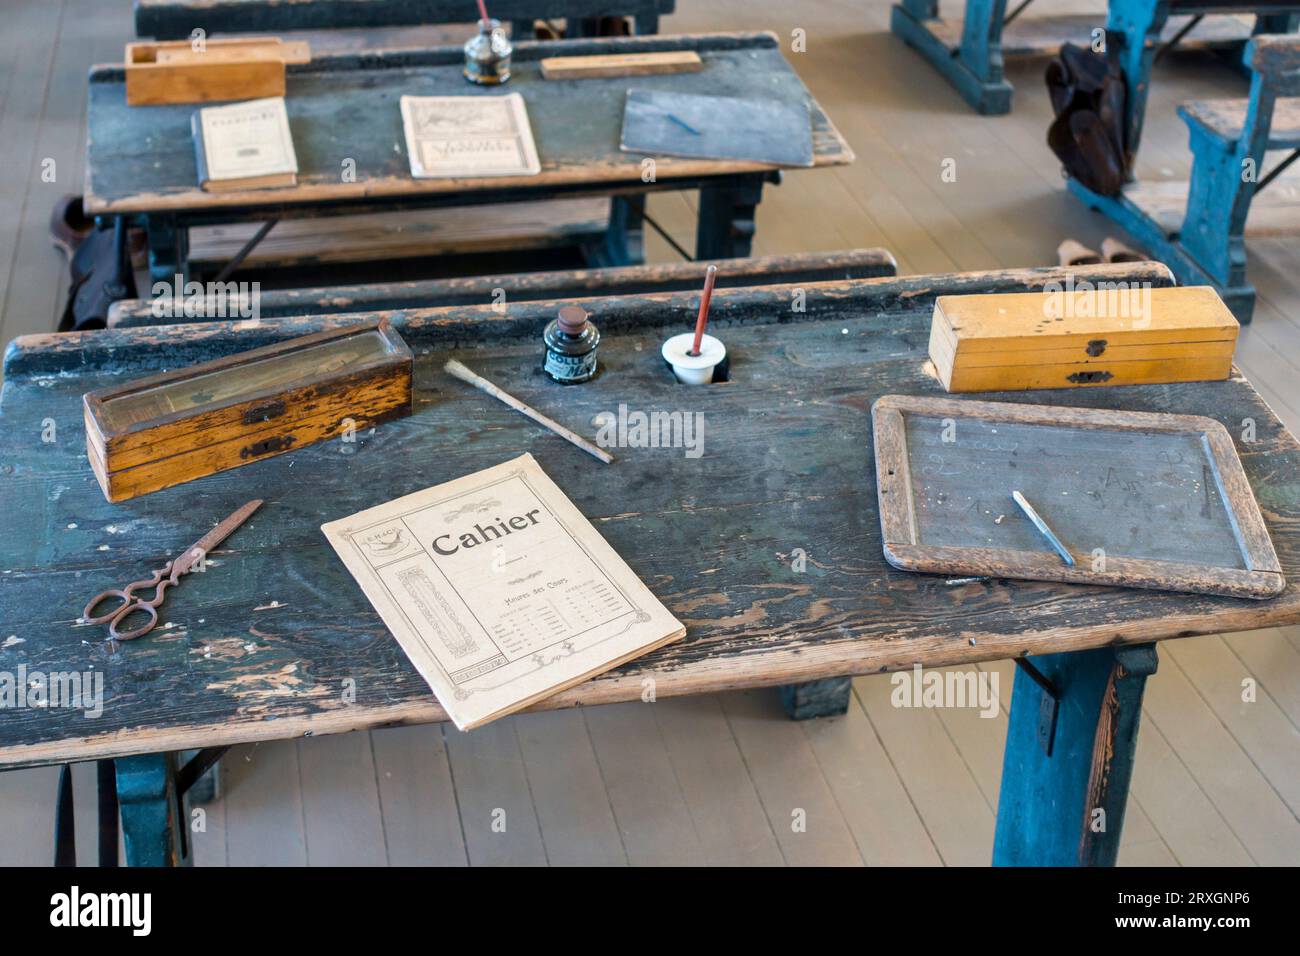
[(1139, 500), (667, 123)]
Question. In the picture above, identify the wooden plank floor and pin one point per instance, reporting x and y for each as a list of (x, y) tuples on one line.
[(725, 779)]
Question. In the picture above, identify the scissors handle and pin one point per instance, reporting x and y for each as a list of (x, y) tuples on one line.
[(130, 604)]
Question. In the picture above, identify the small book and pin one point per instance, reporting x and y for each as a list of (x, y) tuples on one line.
[(244, 146), (498, 589), (468, 137)]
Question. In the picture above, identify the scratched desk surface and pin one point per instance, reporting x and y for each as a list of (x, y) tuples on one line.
[(345, 107), (263, 644)]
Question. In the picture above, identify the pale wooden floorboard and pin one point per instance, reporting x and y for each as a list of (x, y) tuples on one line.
[(497, 815), (1252, 808), (800, 806), (1275, 662), (645, 794), (876, 806), (264, 805), (569, 794), (418, 797), (342, 822), (957, 815), (716, 779), (37, 24), (720, 795)]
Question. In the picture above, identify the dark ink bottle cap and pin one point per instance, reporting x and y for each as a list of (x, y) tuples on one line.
[(571, 341)]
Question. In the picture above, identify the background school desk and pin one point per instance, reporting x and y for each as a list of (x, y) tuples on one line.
[(140, 161), (969, 50), (176, 19), (261, 646)]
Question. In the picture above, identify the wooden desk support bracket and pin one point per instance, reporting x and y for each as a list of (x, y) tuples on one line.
[(1065, 807)]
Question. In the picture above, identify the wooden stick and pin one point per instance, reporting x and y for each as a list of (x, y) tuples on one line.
[(702, 319), (483, 385)]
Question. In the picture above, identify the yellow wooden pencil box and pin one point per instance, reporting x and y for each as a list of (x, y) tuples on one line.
[(1081, 337), (175, 426)]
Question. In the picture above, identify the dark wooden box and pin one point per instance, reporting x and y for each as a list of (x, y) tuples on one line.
[(171, 428)]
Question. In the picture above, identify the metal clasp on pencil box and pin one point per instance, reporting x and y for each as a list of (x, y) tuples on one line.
[(487, 55)]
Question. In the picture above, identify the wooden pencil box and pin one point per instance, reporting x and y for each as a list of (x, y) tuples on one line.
[(170, 428), (239, 68), (1074, 338)]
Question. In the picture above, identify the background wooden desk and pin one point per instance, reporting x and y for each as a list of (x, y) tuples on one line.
[(175, 19), (345, 107), (259, 647)]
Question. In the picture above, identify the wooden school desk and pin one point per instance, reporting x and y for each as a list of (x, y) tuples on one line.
[(177, 19), (260, 645), (141, 164)]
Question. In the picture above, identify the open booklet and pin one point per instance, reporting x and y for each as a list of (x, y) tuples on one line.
[(468, 137), (499, 590)]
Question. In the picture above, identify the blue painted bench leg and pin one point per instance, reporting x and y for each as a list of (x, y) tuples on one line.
[(1190, 266), (726, 226), (153, 825), (975, 67), (1066, 807), (817, 698)]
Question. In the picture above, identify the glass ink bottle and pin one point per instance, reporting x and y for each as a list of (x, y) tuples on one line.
[(571, 342), (487, 55)]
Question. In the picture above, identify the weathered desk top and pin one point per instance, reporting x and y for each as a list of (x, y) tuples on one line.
[(345, 106), (174, 19), (260, 645)]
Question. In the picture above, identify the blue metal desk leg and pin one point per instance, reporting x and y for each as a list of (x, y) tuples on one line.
[(817, 698), (1066, 769), (975, 66), (153, 825)]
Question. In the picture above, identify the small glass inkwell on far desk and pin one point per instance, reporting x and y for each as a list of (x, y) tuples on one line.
[(487, 54)]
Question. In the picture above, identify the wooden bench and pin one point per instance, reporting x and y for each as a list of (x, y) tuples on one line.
[(788, 462), (1200, 227), (177, 19), (969, 51), (625, 280)]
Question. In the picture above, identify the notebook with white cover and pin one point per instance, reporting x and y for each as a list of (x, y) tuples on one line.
[(467, 137), (244, 145), (498, 589)]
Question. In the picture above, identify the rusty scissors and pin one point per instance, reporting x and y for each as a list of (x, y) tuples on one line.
[(166, 576)]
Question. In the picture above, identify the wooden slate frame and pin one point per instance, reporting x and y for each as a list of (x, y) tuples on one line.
[(1261, 578)]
